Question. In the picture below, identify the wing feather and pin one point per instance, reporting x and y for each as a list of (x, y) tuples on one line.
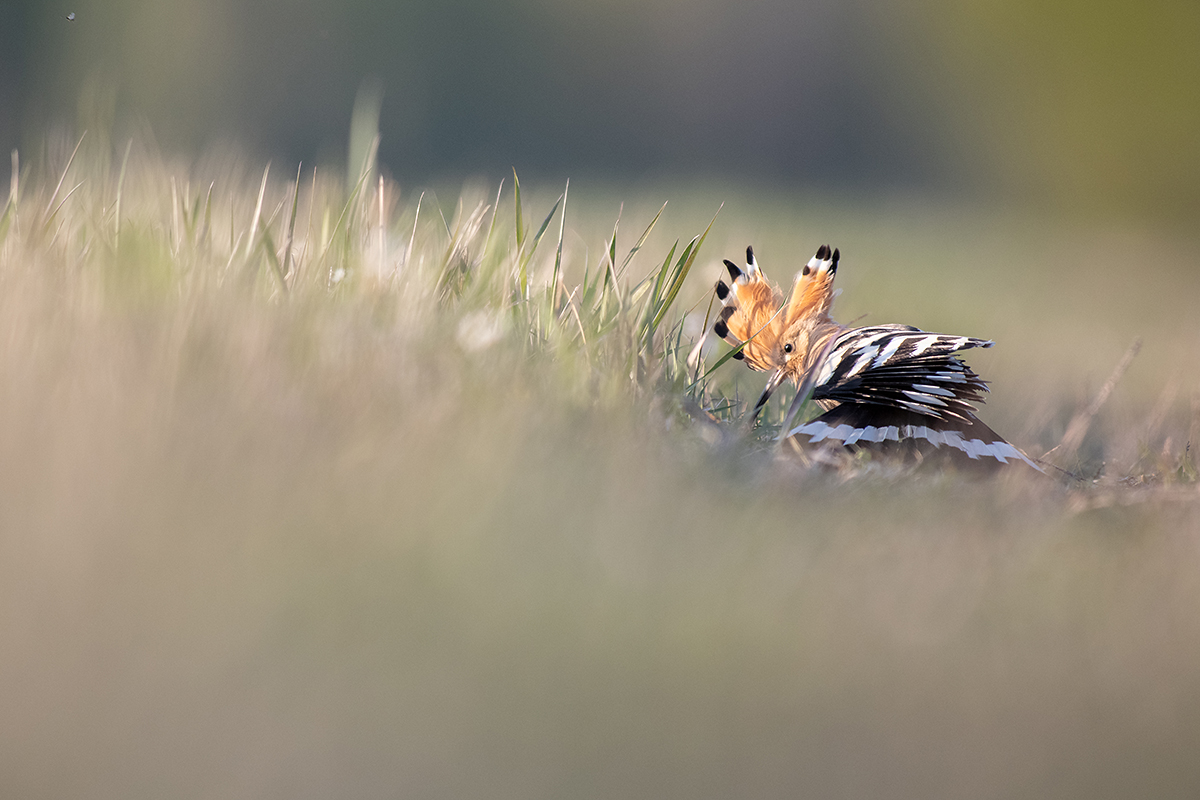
[(902, 367)]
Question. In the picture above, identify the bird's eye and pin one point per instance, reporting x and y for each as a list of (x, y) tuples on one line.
[(787, 348)]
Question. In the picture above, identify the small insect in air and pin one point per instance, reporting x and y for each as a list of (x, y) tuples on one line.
[(884, 388), (71, 17)]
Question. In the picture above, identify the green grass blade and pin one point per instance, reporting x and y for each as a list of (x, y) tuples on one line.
[(609, 284), (14, 180), (646, 289), (533, 244), (663, 300), (291, 229), (6, 220), (682, 270), (588, 287), (660, 278), (492, 227), (268, 245), (517, 209), (641, 241), (562, 224), (612, 245), (720, 362), (341, 219)]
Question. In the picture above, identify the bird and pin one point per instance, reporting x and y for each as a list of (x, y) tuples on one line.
[(887, 388)]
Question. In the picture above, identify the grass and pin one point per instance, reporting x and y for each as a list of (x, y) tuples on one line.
[(316, 486)]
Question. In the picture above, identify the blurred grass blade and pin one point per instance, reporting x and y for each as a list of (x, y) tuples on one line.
[(610, 274), (206, 229), (120, 194), (682, 270), (542, 230), (47, 216), (312, 201), (176, 214), (456, 265), (492, 227), (446, 224), (562, 224), (268, 245), (6, 219), (646, 284), (1082, 420), (525, 258), (641, 241), (14, 180), (337, 227), (63, 202), (660, 276), (382, 225), (720, 362), (663, 300), (413, 238), (262, 190), (693, 359), (517, 209), (291, 229), (10, 208)]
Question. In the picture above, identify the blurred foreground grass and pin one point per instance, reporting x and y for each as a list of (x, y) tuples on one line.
[(374, 519)]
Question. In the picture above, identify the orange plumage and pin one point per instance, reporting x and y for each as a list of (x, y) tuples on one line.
[(754, 313)]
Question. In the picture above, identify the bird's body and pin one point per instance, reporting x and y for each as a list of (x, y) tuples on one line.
[(885, 387)]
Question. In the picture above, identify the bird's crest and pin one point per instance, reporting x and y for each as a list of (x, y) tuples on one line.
[(753, 309)]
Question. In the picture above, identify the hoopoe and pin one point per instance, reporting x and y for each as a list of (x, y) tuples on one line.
[(884, 387)]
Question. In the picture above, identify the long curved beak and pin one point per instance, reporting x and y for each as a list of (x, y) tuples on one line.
[(777, 377), (807, 384), (802, 393)]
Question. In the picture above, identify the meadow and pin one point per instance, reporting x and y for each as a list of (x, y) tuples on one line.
[(315, 485)]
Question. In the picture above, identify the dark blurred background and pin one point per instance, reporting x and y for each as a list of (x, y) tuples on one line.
[(1074, 105)]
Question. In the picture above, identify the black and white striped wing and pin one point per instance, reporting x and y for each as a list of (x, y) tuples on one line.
[(967, 443), (901, 367)]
